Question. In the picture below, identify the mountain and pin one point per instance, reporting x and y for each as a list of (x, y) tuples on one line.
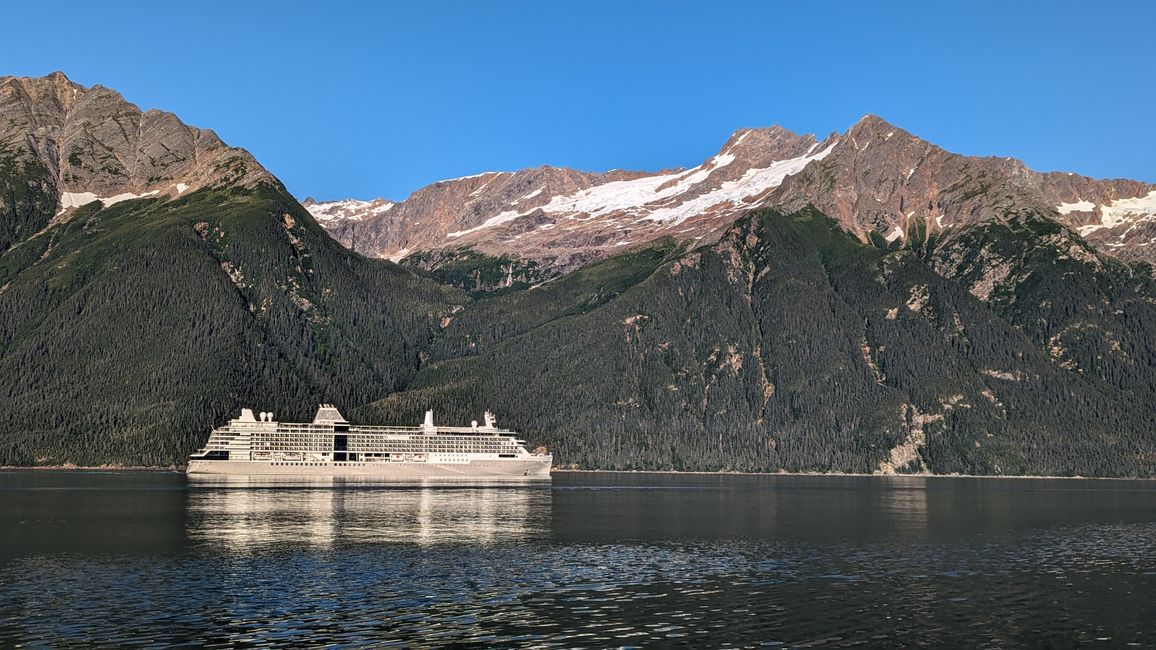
[(791, 345), (559, 219), (881, 181), (88, 144), (876, 180), (153, 280), (867, 303)]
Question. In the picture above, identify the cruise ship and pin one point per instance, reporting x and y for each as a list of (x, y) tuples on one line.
[(329, 446)]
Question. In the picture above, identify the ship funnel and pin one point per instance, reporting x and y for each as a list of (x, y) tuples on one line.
[(326, 414), (247, 416), (428, 425), (491, 421)]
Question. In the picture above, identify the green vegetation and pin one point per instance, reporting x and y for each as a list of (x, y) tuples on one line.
[(790, 346), (27, 200), (126, 331), (478, 273), (1007, 348)]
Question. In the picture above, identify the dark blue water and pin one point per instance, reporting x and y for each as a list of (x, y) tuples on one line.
[(126, 559)]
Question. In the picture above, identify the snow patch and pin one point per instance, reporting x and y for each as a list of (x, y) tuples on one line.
[(181, 187), (76, 199), (462, 178), (753, 183), (894, 234), (348, 210), (480, 188), (496, 220), (1078, 206), (127, 196), (1121, 211), (658, 198), (739, 141)]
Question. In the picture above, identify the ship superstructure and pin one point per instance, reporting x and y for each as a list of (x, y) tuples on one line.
[(331, 446)]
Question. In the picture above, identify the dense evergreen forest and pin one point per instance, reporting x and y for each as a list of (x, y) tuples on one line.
[(126, 332), (788, 345)]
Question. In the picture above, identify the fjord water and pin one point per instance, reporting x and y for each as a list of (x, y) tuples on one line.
[(598, 560)]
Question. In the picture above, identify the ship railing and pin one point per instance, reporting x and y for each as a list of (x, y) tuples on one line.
[(316, 429), (437, 430)]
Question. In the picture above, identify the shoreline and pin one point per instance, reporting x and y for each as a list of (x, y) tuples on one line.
[(561, 470), (92, 468), (852, 474)]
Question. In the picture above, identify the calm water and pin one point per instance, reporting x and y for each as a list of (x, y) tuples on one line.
[(587, 560)]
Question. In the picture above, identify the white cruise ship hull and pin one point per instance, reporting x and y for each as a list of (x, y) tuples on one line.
[(520, 468)]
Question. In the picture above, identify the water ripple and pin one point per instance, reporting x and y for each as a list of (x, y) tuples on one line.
[(478, 566)]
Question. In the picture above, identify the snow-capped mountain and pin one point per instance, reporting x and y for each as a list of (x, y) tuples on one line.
[(876, 179), (881, 179), (564, 217)]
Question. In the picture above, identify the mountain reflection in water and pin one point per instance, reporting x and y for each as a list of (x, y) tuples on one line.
[(583, 560), (248, 516)]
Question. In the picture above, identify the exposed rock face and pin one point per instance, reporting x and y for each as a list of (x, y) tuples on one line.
[(563, 218), (882, 179), (97, 146), (875, 178)]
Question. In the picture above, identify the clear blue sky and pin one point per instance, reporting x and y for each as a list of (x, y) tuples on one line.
[(369, 99)]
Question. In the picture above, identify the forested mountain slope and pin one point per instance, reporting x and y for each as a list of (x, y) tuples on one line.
[(128, 327), (154, 280), (790, 345)]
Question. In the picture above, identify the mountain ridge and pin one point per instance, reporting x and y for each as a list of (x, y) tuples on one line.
[(1119, 216), (96, 145), (988, 336)]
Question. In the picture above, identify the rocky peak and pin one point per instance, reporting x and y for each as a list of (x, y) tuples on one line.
[(562, 217), (880, 180), (98, 146), (766, 145), (882, 183), (55, 89)]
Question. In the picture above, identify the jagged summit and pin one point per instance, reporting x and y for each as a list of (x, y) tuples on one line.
[(882, 180), (876, 179), (95, 145), (55, 87), (563, 218)]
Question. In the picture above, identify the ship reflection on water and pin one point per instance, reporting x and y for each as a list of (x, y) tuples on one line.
[(247, 515)]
